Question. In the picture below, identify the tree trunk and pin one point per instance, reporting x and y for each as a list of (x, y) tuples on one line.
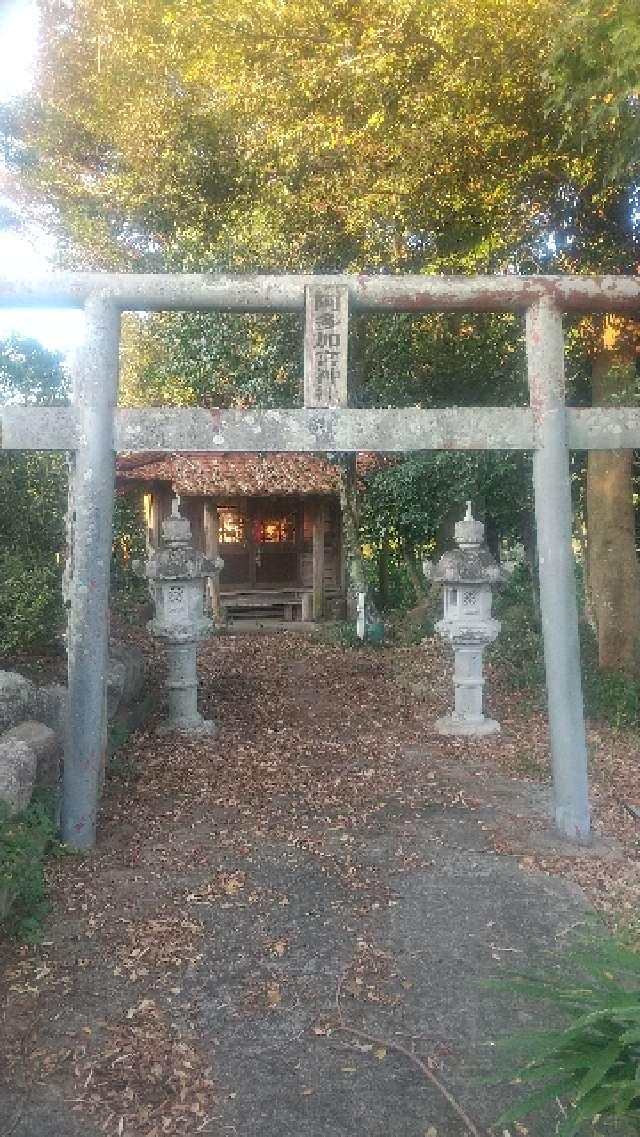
[(416, 576), (357, 576), (492, 536), (383, 574), (613, 577), (445, 533)]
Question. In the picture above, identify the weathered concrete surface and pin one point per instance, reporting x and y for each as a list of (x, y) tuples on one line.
[(95, 393), (34, 717), (326, 338), (125, 676), (133, 662), (464, 917), (116, 685), (311, 430), (177, 573), (21, 699), (55, 428), (410, 962), (50, 706), (468, 574)]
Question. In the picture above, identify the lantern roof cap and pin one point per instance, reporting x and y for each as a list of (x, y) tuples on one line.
[(471, 565), (176, 530), (469, 532), (175, 557), (471, 562)]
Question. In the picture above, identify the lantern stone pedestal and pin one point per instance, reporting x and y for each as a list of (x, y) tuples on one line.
[(468, 574), (177, 573), (182, 687)]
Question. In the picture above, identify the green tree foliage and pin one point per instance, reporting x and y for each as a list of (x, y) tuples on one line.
[(24, 843), (438, 360), (430, 136), (128, 588), (30, 374), (32, 509), (594, 69), (411, 501), (217, 360), (31, 613), (282, 135), (435, 136)]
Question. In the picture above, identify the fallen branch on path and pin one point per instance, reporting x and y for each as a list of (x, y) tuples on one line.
[(388, 1044)]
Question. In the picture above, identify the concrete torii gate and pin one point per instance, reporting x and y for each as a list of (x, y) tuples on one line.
[(93, 430)]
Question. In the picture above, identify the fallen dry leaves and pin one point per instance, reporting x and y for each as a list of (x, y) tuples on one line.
[(144, 1080), (311, 753)]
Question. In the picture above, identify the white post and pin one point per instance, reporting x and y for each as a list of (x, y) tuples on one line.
[(361, 616)]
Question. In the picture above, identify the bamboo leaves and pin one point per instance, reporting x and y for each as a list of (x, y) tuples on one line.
[(593, 1061)]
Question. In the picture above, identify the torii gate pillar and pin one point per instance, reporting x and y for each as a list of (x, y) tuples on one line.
[(95, 392), (552, 491)]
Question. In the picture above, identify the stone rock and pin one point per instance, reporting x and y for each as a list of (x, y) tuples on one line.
[(21, 700), (18, 764), (50, 705), (125, 676), (47, 749), (134, 663), (16, 698), (116, 685)]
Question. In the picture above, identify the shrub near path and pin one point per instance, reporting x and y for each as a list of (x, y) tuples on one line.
[(314, 866)]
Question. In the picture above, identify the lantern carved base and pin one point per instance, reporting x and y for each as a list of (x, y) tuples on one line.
[(187, 726), (468, 680), (471, 728)]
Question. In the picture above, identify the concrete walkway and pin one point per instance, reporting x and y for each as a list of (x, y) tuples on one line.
[(238, 917)]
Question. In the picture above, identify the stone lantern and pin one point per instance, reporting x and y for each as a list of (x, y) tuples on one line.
[(176, 573), (468, 574)]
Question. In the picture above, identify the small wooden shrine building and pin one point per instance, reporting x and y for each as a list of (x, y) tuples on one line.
[(274, 519)]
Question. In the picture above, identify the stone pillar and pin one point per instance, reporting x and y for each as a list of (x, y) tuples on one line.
[(182, 686), (468, 682), (552, 491)]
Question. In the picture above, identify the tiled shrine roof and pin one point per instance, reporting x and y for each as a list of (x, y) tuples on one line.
[(242, 475)]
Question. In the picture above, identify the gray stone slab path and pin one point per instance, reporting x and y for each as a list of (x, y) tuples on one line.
[(414, 967), (463, 917)]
